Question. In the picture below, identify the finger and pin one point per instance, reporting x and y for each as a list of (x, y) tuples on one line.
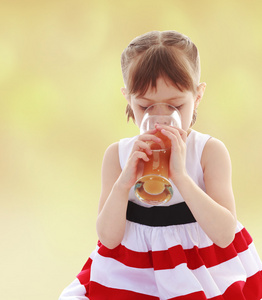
[(175, 138), (159, 126), (142, 146), (137, 155), (170, 134), (183, 135), (174, 130), (149, 137)]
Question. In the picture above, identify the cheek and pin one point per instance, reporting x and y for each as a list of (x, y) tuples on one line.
[(138, 118), (186, 118)]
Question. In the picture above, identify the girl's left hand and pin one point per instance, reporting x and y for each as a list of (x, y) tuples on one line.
[(177, 164)]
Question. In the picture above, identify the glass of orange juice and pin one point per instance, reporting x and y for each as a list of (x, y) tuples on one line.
[(154, 186)]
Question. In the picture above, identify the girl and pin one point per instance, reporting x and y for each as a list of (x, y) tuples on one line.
[(191, 247)]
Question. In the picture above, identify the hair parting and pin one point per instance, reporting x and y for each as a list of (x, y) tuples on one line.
[(167, 54)]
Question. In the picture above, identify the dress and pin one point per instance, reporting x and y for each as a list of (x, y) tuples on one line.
[(166, 255)]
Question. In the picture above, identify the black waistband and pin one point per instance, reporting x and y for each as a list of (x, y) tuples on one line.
[(176, 214)]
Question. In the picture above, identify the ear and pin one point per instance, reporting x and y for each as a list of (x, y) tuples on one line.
[(123, 91), (200, 93), (125, 94)]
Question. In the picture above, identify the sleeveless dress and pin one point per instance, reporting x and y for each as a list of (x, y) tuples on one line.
[(166, 255)]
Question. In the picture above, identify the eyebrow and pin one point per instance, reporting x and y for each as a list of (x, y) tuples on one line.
[(169, 99)]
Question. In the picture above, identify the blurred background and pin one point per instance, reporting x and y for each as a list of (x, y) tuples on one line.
[(61, 107)]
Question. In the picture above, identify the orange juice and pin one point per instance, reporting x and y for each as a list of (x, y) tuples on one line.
[(154, 187)]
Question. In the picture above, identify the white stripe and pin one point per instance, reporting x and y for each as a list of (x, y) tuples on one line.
[(93, 254), (237, 269), (250, 260), (113, 274), (142, 238), (227, 273), (174, 282), (75, 291), (213, 281)]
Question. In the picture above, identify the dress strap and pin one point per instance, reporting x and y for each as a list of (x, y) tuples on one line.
[(155, 216)]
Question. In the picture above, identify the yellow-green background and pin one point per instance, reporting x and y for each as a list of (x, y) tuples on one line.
[(61, 106)]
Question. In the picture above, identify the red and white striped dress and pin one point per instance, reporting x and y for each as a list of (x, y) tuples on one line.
[(166, 255)]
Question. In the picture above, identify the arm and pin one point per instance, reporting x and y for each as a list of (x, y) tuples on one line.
[(214, 209), (116, 184), (113, 201)]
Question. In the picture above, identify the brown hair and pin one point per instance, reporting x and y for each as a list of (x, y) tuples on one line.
[(159, 53)]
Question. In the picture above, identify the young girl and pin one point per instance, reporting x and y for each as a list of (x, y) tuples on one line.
[(192, 247)]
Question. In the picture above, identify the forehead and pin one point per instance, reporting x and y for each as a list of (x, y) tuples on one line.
[(164, 90), (168, 63)]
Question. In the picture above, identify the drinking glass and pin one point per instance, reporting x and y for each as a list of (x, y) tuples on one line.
[(154, 186)]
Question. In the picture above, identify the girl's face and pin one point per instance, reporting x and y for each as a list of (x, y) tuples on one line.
[(166, 92)]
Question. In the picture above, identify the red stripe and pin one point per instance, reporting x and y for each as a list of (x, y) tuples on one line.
[(253, 287), (249, 290), (100, 292), (84, 275), (170, 258), (193, 296), (128, 257)]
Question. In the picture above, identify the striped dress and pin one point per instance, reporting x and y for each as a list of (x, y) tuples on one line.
[(166, 255)]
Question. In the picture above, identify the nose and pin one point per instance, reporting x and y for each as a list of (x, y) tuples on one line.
[(161, 109)]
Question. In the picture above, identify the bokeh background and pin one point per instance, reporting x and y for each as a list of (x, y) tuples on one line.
[(61, 107)]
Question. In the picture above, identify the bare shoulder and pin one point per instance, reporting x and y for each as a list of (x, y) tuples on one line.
[(111, 164), (215, 153), (111, 151), (111, 170), (217, 170)]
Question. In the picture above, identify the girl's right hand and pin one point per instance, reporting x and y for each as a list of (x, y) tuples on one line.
[(139, 154)]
